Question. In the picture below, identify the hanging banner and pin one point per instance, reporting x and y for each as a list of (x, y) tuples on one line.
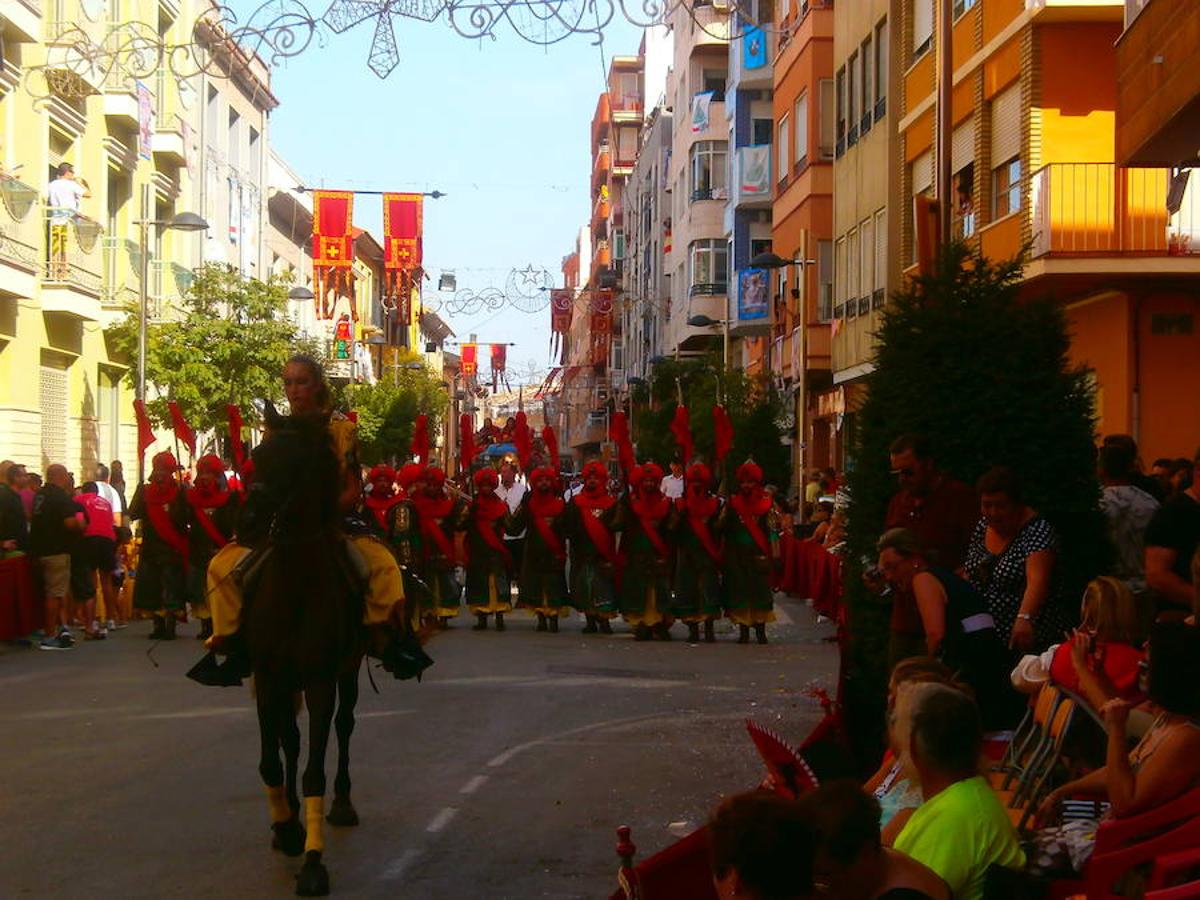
[(754, 48), (499, 356), (470, 360), (332, 248), (235, 212), (403, 224), (601, 330), (754, 291), (756, 170), (561, 305), (145, 102), (701, 104)]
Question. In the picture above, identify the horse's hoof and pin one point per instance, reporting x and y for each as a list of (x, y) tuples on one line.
[(313, 878), (342, 813), (288, 837)]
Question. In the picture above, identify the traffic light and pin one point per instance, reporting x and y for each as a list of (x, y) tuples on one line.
[(341, 339)]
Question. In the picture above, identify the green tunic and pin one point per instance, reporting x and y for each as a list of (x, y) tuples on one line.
[(542, 581), (646, 576), (593, 578), (488, 586), (747, 571), (697, 575)]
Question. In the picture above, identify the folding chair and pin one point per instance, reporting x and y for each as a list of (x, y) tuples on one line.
[(1027, 741), (1023, 801)]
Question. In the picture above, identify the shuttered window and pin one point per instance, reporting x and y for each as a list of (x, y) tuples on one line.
[(52, 397), (922, 26), (922, 173), (866, 231), (962, 145), (881, 250), (1006, 125)]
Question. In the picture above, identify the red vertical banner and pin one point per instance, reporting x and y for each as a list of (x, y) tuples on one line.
[(601, 309), (403, 225), (561, 306), (470, 360), (333, 249), (499, 357)]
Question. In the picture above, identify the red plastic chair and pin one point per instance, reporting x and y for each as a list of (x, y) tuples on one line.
[(1115, 834), (1103, 869), (678, 872), (1170, 868)]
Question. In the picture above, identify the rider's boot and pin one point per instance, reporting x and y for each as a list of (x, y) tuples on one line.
[(481, 622), (743, 634), (499, 621), (760, 632), (541, 625), (709, 636)]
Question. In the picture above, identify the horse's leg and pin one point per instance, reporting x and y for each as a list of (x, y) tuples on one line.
[(313, 879), (341, 811), (288, 834), (289, 736)]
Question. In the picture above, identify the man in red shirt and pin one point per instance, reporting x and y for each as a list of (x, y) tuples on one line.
[(942, 512)]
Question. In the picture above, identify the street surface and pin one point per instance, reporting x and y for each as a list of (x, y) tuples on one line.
[(503, 774)]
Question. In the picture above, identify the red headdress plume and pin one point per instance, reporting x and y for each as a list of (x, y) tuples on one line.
[(722, 433), (523, 439), (486, 476), (618, 433), (682, 430), (550, 439), (410, 474), (383, 471), (435, 476), (750, 471), (466, 442), (420, 441), (145, 432)]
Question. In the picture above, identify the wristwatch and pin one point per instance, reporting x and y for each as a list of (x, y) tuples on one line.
[(1028, 617)]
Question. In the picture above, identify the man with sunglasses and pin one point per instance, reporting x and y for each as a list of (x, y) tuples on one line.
[(941, 511)]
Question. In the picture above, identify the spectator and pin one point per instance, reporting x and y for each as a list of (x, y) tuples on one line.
[(117, 480), (1171, 540), (1161, 472), (512, 490), (1181, 476), (33, 484), (941, 512), (812, 490), (1165, 763), (53, 534), (1128, 510), (109, 493), (830, 481), (100, 554), (62, 201), (962, 828), (958, 628), (14, 529), (1011, 562), (1138, 478), (673, 484), (761, 848), (849, 858)]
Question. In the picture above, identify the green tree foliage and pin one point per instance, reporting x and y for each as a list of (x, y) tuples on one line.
[(387, 410), (226, 343), (986, 377), (754, 406)]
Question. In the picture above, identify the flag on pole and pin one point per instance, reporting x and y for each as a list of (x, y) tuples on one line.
[(144, 430), (183, 431)]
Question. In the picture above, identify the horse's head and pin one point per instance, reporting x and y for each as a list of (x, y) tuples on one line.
[(296, 465)]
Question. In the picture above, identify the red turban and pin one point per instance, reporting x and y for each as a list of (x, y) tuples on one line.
[(165, 460), (652, 472), (435, 476), (699, 472), (410, 474), (383, 471), (595, 467), (486, 477), (210, 463), (636, 475), (750, 471)]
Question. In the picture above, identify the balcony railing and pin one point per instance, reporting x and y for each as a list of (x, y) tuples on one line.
[(74, 256), (169, 281), (20, 224), (1101, 209), (122, 271), (708, 289)]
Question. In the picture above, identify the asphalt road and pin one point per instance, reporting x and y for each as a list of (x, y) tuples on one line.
[(503, 774)]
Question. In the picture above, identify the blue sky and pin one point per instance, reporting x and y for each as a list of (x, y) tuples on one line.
[(503, 127)]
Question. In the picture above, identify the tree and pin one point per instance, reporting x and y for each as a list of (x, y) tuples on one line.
[(985, 376), (754, 406), (388, 409), (228, 345)]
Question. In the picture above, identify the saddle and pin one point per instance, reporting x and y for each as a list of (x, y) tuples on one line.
[(352, 566)]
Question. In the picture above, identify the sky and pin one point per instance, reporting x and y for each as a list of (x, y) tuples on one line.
[(502, 127)]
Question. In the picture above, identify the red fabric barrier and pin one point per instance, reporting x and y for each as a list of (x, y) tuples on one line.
[(813, 573), (18, 598)]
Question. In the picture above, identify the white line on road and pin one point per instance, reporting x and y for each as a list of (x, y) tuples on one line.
[(393, 870), (383, 713), (473, 785), (611, 723), (441, 820)]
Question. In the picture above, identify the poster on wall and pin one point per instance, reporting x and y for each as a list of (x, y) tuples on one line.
[(754, 291), (145, 101), (701, 106), (754, 49), (756, 170)]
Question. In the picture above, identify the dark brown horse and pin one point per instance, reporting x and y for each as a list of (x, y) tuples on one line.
[(304, 634)]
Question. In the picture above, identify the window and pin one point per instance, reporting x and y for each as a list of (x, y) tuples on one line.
[(1006, 187), (824, 281), (709, 264), (852, 100), (235, 140), (852, 265), (828, 119), (840, 146), (922, 27), (868, 83), (619, 244), (881, 260), (761, 131), (759, 245), (839, 277), (781, 151), (255, 153), (866, 232), (802, 130), (708, 169), (881, 69), (961, 6), (714, 80)]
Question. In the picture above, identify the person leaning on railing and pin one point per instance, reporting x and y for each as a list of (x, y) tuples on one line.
[(62, 208)]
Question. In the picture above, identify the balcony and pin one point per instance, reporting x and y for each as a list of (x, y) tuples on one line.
[(602, 166), (626, 108), (21, 236), (751, 59), (600, 212), (25, 18), (167, 141), (712, 25), (602, 118), (169, 282), (73, 279), (752, 177), (1104, 210), (122, 272)]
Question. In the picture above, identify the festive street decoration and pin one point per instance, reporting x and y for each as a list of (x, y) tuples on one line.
[(601, 331), (470, 361), (402, 248), (333, 250), (499, 360), (561, 306)]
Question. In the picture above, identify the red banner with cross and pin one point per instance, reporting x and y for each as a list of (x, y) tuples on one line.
[(403, 224)]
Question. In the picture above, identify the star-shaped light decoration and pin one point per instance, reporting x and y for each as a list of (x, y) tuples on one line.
[(343, 15), (531, 275)]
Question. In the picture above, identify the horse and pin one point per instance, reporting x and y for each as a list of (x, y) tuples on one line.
[(304, 635)]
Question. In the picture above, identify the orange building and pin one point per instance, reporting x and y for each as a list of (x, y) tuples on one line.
[(1033, 157)]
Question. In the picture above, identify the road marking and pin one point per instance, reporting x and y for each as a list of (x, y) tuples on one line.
[(393, 870), (611, 723), (473, 785), (383, 713), (442, 819), (198, 713)]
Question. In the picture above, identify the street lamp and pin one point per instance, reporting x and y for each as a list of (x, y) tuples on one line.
[(702, 321), (299, 292), (770, 260), (184, 221)]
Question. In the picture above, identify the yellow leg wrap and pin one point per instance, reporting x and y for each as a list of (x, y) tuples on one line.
[(314, 818), (224, 595), (385, 585), (277, 802)]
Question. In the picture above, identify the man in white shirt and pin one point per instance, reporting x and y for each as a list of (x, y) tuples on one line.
[(109, 493), (62, 202), (673, 484), (512, 491)]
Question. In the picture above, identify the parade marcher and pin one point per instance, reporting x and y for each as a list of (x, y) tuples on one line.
[(698, 555), (589, 522), (161, 587), (439, 516), (489, 589), (512, 491), (381, 500), (542, 576), (647, 551), (212, 518), (749, 526), (404, 537)]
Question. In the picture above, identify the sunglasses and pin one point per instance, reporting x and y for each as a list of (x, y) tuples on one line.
[(906, 472)]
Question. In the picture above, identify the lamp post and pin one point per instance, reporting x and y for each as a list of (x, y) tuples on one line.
[(702, 321), (185, 221)]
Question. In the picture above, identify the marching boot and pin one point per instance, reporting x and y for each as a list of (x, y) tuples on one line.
[(662, 631), (554, 624), (709, 637), (641, 633), (205, 630), (605, 626), (760, 632), (481, 622), (158, 632), (590, 627), (541, 625), (499, 621), (743, 634), (693, 632), (169, 621)]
